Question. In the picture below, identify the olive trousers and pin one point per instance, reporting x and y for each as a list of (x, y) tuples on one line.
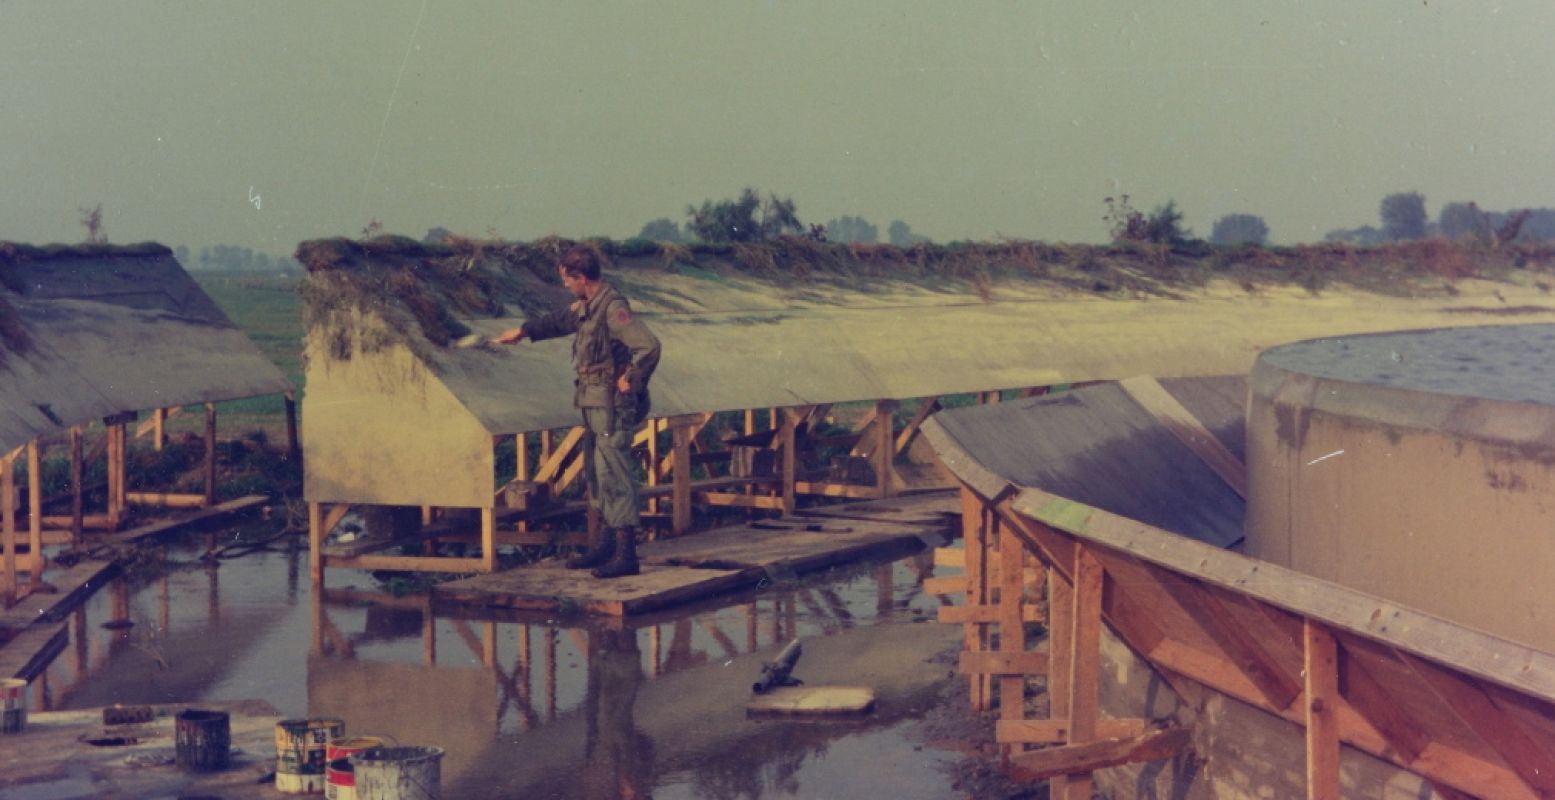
[(607, 468)]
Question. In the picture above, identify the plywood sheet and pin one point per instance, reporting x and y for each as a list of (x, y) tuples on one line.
[(551, 586), (119, 333), (1096, 446)]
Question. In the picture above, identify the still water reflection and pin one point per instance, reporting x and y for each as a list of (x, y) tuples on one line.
[(542, 706)]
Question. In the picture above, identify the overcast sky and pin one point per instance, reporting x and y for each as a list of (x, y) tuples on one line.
[(265, 123)]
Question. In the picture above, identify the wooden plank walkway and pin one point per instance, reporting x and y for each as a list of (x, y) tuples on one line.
[(28, 638), (700, 565)]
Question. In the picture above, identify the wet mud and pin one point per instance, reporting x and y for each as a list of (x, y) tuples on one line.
[(556, 706)]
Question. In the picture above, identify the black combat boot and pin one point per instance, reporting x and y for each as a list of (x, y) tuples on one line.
[(602, 545), (624, 560)]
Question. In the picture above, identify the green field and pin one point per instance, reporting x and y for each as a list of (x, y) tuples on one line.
[(265, 306)]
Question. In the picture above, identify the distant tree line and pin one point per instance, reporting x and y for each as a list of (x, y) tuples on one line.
[(230, 258), (1403, 217), (750, 217)]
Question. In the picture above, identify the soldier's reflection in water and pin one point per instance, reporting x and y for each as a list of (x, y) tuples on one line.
[(619, 757)]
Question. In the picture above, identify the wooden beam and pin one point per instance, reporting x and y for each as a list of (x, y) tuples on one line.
[(998, 662), (903, 439), (337, 512), (1168, 411), (316, 544), (974, 540), (1056, 731), (293, 443), (985, 615), (1500, 731), (1321, 667), (1075, 759), (1377, 703), (1085, 647), (210, 453), (884, 454), (740, 500), (488, 540), (407, 563), (1011, 617), (828, 489), (8, 525), (35, 509), (1278, 686), (552, 463), (788, 442), (76, 490), (166, 499), (1515, 666), (680, 479)]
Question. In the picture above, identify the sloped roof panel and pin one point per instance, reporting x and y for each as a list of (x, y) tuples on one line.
[(113, 333), (1094, 445)]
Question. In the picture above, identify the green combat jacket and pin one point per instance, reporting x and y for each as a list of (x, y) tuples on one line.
[(610, 341)]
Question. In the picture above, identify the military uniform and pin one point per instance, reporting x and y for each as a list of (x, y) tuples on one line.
[(610, 342)]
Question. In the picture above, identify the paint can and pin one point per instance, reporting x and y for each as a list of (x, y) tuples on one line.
[(399, 773), (340, 780), (202, 740), (299, 752), (13, 705), (339, 777)]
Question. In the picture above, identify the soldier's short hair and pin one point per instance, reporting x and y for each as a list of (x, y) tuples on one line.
[(580, 262)]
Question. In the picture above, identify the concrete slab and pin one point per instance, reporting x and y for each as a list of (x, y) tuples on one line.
[(812, 702), (54, 756)]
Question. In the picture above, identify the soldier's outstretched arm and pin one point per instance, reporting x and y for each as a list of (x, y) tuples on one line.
[(556, 323)]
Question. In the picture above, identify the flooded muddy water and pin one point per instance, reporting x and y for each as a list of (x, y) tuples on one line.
[(540, 706)]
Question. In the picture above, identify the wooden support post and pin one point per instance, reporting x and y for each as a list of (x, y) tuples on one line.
[(885, 447), (8, 524), (293, 445), (521, 456), (681, 489), (210, 454), (1012, 630), (76, 489), (35, 510), (1321, 662), (790, 460), (1061, 661), (122, 485), (316, 545), (488, 540), (112, 454), (1083, 663), (429, 633), (158, 429), (653, 426), (546, 437), (974, 541)]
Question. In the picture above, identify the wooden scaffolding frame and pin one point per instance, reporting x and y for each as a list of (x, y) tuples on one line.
[(113, 445), (875, 439), (1471, 714)]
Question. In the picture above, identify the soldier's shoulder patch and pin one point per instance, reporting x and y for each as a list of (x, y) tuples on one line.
[(621, 316)]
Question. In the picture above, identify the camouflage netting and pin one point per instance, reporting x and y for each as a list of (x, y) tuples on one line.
[(429, 288), (420, 287), (14, 337)]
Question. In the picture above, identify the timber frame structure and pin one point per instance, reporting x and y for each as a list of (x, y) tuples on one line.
[(399, 416), (1369, 683), (94, 336)]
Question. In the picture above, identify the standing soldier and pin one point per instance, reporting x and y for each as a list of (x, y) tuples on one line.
[(615, 355)]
